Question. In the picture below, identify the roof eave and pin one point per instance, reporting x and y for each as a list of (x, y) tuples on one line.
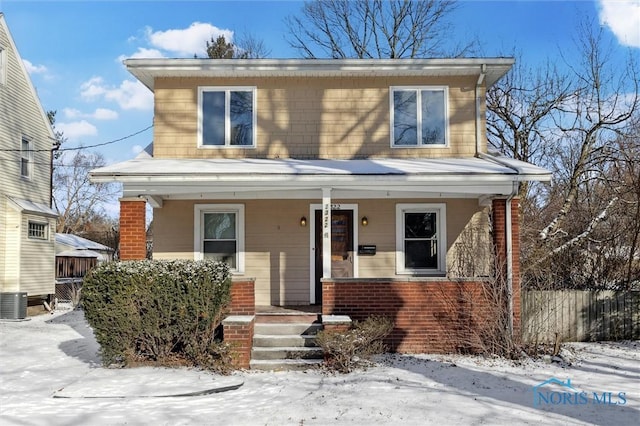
[(147, 70)]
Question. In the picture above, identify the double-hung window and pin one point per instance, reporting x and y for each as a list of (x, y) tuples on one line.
[(227, 117), (419, 116), (26, 158), (421, 238), (219, 231)]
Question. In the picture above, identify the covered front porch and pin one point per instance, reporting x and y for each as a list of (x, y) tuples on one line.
[(297, 222)]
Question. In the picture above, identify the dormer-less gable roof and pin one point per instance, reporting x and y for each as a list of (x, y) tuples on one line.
[(147, 70), (14, 50)]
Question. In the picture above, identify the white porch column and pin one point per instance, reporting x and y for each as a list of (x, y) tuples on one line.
[(326, 232)]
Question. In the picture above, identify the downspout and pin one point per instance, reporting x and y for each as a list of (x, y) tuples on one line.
[(509, 244), (479, 83)]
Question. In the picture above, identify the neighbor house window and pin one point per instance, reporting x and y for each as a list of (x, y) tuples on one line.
[(421, 238), (26, 158), (38, 231), (219, 230), (227, 117), (419, 116)]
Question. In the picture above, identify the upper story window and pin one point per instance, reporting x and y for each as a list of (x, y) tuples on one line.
[(3, 66), (419, 116), (227, 117), (38, 231), (26, 158), (421, 239)]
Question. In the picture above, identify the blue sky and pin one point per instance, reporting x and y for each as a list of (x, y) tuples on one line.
[(73, 50)]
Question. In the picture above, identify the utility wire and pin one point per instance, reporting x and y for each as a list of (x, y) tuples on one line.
[(77, 148)]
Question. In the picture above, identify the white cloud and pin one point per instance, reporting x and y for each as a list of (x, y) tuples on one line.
[(129, 95), (142, 53), (92, 88), (187, 41), (77, 129), (623, 18), (34, 69), (98, 114), (137, 149), (104, 114)]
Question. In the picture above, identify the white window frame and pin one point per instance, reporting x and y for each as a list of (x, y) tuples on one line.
[(3, 66), (227, 119), (44, 231), (440, 209), (26, 156), (418, 90), (198, 230)]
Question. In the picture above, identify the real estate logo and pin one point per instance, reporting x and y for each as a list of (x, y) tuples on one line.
[(556, 392)]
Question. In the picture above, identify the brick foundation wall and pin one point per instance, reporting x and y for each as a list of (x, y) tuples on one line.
[(437, 316), (243, 299), (133, 235), (238, 331)]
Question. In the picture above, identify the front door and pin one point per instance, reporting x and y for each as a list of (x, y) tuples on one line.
[(341, 247)]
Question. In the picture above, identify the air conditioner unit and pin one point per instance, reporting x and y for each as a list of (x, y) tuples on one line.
[(13, 305)]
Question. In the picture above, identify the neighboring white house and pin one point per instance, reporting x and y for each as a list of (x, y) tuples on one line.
[(27, 222)]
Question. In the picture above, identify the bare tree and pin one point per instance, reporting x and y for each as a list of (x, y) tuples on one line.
[(79, 203), (374, 29), (605, 99), (247, 47), (520, 109)]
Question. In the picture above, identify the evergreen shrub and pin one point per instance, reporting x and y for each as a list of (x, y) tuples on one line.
[(159, 312)]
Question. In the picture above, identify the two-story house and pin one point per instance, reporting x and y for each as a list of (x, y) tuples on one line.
[(27, 222), (356, 185)]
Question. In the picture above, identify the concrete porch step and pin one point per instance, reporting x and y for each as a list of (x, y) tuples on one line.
[(284, 340), (284, 364), (285, 353), (296, 328)]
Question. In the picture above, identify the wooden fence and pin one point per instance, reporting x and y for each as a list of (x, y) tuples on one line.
[(580, 316)]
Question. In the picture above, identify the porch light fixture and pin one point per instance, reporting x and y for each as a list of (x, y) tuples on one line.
[(303, 221), (364, 221)]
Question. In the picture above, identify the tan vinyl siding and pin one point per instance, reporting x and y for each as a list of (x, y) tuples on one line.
[(37, 258), (311, 118), (277, 247)]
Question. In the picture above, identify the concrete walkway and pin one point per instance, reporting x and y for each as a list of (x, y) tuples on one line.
[(147, 382)]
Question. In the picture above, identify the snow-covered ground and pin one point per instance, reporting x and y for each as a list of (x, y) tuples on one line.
[(50, 356)]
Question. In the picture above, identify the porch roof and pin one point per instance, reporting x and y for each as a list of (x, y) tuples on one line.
[(145, 175)]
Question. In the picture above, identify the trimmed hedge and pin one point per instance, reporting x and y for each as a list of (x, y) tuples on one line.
[(160, 312)]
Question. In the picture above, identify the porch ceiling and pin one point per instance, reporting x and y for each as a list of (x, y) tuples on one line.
[(291, 178)]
